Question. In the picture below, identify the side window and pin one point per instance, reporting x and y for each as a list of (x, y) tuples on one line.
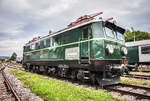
[(55, 41), (65, 39), (32, 46), (51, 42), (42, 44), (47, 42), (28, 48), (85, 33), (37, 46), (145, 50)]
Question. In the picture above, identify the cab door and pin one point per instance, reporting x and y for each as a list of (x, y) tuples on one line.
[(85, 45)]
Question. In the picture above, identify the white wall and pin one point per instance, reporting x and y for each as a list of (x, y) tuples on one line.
[(143, 57)]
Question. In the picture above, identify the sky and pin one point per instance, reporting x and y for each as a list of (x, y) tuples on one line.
[(21, 20)]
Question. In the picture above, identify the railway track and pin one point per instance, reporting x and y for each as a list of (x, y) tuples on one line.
[(139, 92), (7, 93), (145, 77)]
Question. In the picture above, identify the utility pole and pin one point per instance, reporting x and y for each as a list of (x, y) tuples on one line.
[(133, 32)]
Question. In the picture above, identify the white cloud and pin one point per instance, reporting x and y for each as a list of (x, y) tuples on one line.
[(12, 29), (20, 20), (37, 9), (9, 46)]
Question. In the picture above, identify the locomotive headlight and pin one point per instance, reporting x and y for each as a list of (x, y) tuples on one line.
[(124, 50), (110, 49)]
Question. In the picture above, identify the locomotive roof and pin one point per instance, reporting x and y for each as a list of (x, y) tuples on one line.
[(138, 43), (65, 29)]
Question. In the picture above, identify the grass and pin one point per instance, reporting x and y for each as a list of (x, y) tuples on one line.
[(135, 81), (56, 90), (19, 65), (140, 73)]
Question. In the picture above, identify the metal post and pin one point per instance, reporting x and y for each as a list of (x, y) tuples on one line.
[(133, 32)]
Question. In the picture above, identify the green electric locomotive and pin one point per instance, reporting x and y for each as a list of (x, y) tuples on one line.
[(87, 50)]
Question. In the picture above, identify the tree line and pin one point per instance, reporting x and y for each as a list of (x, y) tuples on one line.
[(138, 35)]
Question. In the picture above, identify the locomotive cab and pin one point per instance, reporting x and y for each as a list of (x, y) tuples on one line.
[(109, 52)]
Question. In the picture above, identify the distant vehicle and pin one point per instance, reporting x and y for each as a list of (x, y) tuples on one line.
[(88, 49), (138, 54), (19, 61)]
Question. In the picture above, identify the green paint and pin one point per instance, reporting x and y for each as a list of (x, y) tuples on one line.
[(78, 42), (117, 51), (132, 55)]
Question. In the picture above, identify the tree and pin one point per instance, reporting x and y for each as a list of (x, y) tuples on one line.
[(13, 56), (139, 35)]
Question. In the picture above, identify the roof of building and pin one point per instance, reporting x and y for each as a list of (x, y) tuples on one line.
[(138, 43)]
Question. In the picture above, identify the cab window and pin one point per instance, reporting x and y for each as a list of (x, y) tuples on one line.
[(28, 48), (42, 44), (65, 38), (47, 42), (119, 36), (32, 46), (109, 32), (37, 46), (85, 33), (55, 41)]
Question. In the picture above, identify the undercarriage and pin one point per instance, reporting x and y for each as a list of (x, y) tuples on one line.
[(109, 74)]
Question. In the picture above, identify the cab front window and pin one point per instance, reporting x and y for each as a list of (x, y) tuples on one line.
[(119, 36), (109, 32), (114, 31)]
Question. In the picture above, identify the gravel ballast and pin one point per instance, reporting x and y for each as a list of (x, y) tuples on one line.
[(24, 93)]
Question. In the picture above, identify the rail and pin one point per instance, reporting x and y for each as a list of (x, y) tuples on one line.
[(145, 77), (132, 91), (10, 86)]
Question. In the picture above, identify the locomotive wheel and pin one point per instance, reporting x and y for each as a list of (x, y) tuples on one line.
[(28, 68), (25, 67), (80, 75), (33, 69), (92, 77), (73, 75), (46, 70), (53, 71), (37, 69)]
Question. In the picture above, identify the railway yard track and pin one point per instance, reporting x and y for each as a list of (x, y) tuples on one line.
[(138, 91), (7, 93), (138, 76)]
